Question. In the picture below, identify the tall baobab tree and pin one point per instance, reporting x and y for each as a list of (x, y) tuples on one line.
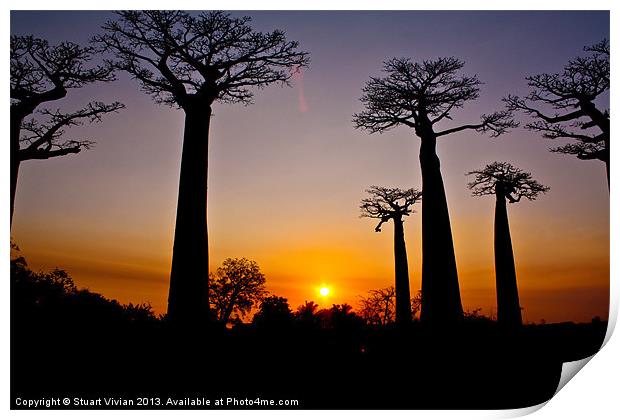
[(388, 204), (421, 96), (507, 184), (190, 61), (568, 105), (42, 73)]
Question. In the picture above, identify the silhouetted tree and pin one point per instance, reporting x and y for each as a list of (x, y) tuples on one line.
[(378, 307), (339, 317), (419, 96), (42, 73), (388, 204), (191, 61), (305, 315), (571, 97), (476, 316), (274, 312), (236, 286), (510, 184)]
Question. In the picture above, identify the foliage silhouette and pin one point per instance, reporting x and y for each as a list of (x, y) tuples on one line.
[(339, 317), (235, 288), (191, 61), (419, 96), (506, 183), (392, 204), (51, 298), (571, 96), (274, 313), (43, 73), (305, 315)]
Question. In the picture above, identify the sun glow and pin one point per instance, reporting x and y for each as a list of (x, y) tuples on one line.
[(324, 291)]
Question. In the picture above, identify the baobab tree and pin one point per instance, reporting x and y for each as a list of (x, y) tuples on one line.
[(507, 184), (40, 74), (421, 96), (393, 204), (191, 61), (568, 105)]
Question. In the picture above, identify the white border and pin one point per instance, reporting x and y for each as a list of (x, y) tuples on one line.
[(593, 394)]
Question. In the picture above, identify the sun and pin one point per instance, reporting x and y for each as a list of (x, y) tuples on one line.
[(324, 291)]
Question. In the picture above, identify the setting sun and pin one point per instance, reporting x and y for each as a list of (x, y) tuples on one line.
[(324, 291)]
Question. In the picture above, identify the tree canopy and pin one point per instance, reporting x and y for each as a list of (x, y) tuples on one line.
[(42, 73), (420, 94), (235, 288), (388, 203), (514, 183), (180, 57), (563, 104)]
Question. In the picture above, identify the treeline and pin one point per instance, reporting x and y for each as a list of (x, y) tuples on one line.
[(51, 298)]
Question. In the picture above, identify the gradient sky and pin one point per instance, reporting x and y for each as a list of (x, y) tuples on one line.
[(286, 174)]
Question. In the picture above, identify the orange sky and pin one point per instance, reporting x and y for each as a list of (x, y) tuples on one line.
[(285, 180)]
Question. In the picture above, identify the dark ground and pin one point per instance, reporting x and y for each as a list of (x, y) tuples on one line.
[(67, 342), (475, 366)]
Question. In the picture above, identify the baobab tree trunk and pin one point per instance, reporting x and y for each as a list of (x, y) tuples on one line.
[(607, 156), (441, 298), (14, 158), (607, 169), (403, 297), (188, 299), (600, 120), (508, 308)]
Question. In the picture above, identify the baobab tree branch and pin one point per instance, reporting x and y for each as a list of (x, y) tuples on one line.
[(37, 66), (40, 140), (582, 81), (555, 131), (42, 73), (497, 124), (514, 103), (382, 221), (583, 151), (62, 150)]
